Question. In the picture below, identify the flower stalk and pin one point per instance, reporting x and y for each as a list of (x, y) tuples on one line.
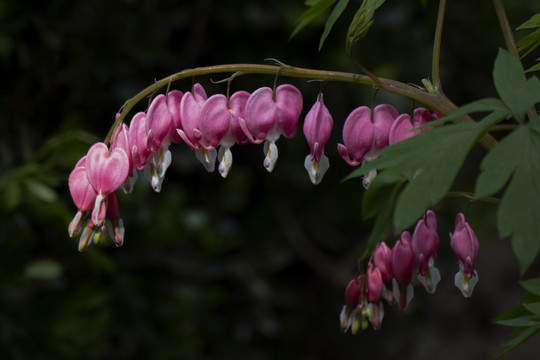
[(434, 101)]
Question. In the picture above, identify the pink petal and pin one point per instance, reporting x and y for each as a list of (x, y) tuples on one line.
[(82, 193), (289, 103), (138, 140), (237, 105), (261, 113), (317, 128), (214, 121), (158, 122), (174, 98)]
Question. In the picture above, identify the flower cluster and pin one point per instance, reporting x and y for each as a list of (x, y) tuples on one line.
[(208, 123), (389, 272), (367, 132)]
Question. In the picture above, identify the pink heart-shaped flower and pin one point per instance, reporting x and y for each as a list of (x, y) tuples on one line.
[(105, 170)]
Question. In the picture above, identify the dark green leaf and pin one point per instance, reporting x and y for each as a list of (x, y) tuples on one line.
[(520, 321), (497, 166), (488, 104), (531, 285), (309, 15), (533, 307), (520, 339), (41, 191), (533, 22), (336, 13), (519, 210), (379, 201), (44, 270), (533, 68), (529, 43), (431, 160), (362, 21), (509, 79), (516, 312)]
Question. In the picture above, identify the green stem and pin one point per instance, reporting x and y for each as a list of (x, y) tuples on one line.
[(472, 197), (435, 66), (435, 101)]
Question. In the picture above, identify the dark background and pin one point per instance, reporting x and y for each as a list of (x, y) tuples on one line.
[(249, 267)]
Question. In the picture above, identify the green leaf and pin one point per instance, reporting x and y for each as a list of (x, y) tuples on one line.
[(362, 21), (520, 339), (533, 68), (497, 166), (41, 191), (44, 270), (533, 307), (316, 9), (531, 285), (515, 312), (379, 201), (431, 160), (531, 41), (533, 22), (520, 321), (336, 13), (509, 79), (519, 210), (487, 104)]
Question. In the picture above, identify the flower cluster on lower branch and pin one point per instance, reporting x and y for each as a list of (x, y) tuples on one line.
[(389, 272)]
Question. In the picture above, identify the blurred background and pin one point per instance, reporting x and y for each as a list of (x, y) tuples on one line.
[(249, 267)]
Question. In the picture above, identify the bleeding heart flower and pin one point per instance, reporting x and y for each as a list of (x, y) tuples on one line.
[(158, 122), (424, 245), (190, 114), (401, 128), (270, 114), (82, 193), (382, 259), (138, 140), (465, 245), (365, 134), (402, 267), (106, 171), (121, 140), (317, 128)]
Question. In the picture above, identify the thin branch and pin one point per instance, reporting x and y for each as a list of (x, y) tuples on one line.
[(435, 66), (437, 102)]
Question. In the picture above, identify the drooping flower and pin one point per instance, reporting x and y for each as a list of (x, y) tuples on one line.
[(365, 134), (160, 126), (270, 114), (138, 140), (317, 128), (382, 259), (106, 171), (375, 289), (121, 139), (158, 123), (465, 245), (402, 126), (116, 229), (82, 193), (424, 245), (402, 267), (353, 314), (174, 97), (219, 125), (190, 113)]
